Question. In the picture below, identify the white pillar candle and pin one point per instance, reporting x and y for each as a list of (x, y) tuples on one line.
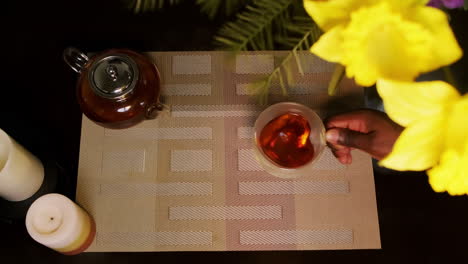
[(21, 173), (58, 223)]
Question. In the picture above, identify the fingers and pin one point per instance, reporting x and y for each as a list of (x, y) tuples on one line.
[(343, 140), (342, 153), (368, 130), (360, 120), (348, 138)]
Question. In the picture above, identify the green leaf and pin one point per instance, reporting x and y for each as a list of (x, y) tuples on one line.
[(298, 62), (141, 6), (286, 80), (284, 90), (337, 76), (213, 8), (289, 75), (255, 26)]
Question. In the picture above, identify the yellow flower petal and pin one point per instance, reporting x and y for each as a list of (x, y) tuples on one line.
[(451, 174), (418, 147), (328, 14), (457, 125), (384, 39), (328, 47), (379, 43), (408, 102), (405, 4), (444, 47)]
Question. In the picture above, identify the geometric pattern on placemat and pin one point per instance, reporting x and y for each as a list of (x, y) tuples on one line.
[(191, 160), (245, 132), (224, 212), (191, 64), (189, 180), (293, 188), (157, 189), (163, 133), (164, 238), (187, 89), (265, 237), (254, 64), (327, 161), (124, 162), (212, 111), (297, 89), (247, 160)]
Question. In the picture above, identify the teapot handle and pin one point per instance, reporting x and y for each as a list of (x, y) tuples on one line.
[(75, 58), (153, 110)]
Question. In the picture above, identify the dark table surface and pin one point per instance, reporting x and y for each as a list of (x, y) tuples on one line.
[(38, 108)]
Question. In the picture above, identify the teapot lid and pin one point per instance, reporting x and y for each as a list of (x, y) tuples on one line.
[(113, 76)]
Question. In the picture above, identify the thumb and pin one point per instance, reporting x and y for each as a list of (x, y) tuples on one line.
[(349, 138)]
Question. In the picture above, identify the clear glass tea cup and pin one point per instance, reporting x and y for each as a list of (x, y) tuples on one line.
[(316, 137)]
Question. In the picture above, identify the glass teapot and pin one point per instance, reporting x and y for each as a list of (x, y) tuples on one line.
[(117, 88)]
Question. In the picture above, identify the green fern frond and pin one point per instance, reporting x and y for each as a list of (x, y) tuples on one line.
[(282, 73), (141, 6), (255, 27), (335, 80), (213, 7), (296, 29)]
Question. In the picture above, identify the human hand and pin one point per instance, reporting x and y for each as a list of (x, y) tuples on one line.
[(368, 130)]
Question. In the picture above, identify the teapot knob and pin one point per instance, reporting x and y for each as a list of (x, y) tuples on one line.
[(112, 71)]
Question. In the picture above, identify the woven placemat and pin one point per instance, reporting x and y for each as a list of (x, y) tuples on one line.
[(188, 181)]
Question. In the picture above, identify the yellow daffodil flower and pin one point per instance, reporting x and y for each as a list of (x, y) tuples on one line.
[(436, 133), (383, 39), (328, 14)]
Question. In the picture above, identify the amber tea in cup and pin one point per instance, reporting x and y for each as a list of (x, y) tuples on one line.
[(285, 140), (289, 138)]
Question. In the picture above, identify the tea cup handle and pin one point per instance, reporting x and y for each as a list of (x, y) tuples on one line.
[(75, 58)]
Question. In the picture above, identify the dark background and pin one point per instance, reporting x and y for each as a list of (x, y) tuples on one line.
[(39, 109)]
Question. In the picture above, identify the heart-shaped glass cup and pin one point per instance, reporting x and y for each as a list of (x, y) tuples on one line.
[(316, 138)]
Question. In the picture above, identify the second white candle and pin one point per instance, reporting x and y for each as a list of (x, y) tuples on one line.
[(21, 173)]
